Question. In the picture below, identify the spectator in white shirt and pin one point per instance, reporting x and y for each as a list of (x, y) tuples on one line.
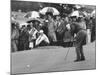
[(42, 37)]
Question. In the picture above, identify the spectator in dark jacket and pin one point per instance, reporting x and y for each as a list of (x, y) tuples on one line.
[(24, 39)]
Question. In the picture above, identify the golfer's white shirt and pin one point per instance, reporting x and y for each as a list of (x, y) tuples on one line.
[(41, 38)]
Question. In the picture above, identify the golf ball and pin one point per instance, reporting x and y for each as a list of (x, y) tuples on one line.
[(28, 65)]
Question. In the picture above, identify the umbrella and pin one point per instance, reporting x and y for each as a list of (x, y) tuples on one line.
[(93, 13), (78, 13), (75, 13), (77, 6), (85, 13), (87, 8), (49, 9), (32, 14)]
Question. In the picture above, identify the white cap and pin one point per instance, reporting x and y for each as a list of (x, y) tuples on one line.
[(41, 31)]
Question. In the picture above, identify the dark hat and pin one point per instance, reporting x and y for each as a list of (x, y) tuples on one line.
[(33, 20), (49, 13), (80, 18), (13, 25), (73, 16), (28, 26), (23, 26)]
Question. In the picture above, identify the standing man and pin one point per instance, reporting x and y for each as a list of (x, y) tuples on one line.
[(14, 37), (32, 37), (58, 23), (24, 39), (51, 28)]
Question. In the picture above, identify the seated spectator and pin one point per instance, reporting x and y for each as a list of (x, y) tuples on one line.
[(42, 37)]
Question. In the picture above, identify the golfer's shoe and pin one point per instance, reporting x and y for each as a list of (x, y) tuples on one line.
[(82, 59), (77, 60)]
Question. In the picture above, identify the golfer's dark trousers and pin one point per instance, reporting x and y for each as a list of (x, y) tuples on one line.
[(80, 38)]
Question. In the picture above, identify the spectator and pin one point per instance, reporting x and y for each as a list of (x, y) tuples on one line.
[(14, 37), (24, 39), (51, 28), (42, 37), (32, 37)]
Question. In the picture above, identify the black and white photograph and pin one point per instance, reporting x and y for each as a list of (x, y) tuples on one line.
[(52, 37)]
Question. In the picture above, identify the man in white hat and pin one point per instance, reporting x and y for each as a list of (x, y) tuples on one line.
[(42, 37)]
